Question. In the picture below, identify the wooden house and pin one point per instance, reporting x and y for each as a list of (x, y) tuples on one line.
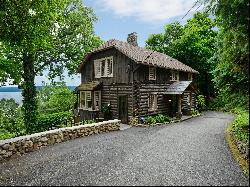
[(134, 82)]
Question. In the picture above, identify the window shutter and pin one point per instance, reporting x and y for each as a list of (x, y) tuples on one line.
[(82, 100), (88, 96), (97, 65), (109, 64), (152, 73), (103, 68)]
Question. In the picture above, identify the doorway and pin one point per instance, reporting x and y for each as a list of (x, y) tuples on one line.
[(123, 108)]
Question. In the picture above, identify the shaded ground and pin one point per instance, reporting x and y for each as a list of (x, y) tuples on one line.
[(193, 152)]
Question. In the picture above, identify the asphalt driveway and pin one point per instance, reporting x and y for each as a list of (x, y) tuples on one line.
[(193, 152)]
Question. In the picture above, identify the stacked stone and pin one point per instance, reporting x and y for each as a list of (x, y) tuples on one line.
[(17, 146)]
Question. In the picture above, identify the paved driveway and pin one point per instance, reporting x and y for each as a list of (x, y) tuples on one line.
[(193, 152)]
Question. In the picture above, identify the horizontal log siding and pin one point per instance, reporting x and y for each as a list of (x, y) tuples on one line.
[(110, 95), (144, 91)]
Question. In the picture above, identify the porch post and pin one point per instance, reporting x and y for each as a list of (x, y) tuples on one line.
[(179, 114)]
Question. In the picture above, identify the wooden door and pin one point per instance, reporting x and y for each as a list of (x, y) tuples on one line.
[(123, 108)]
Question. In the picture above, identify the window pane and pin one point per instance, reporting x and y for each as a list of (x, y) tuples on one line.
[(103, 68)]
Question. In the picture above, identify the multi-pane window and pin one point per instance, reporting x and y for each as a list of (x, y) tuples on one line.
[(104, 67), (97, 100), (175, 75), (152, 73), (152, 102), (85, 100), (190, 76)]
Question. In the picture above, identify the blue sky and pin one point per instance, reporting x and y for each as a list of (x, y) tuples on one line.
[(118, 18)]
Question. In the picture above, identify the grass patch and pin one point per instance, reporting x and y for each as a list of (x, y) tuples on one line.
[(236, 153)]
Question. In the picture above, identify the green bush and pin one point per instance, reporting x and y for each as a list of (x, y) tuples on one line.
[(201, 102), (160, 118), (46, 122), (54, 98), (150, 120), (195, 112), (241, 126)]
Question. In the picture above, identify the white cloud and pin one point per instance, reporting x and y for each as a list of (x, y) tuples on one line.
[(148, 10)]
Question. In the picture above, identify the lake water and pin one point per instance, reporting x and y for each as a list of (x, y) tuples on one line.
[(17, 96)]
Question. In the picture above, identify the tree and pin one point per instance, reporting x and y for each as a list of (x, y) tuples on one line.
[(192, 44), (39, 35), (231, 74), (54, 98)]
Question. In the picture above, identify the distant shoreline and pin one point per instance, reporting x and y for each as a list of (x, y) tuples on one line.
[(16, 89)]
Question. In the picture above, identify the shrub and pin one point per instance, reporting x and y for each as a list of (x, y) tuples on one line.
[(201, 102), (150, 120), (160, 118), (195, 112), (241, 126), (46, 122)]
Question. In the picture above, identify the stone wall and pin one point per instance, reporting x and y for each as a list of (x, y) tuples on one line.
[(17, 146)]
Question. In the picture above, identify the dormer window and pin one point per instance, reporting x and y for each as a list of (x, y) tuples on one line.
[(175, 76), (103, 67), (152, 73), (190, 76)]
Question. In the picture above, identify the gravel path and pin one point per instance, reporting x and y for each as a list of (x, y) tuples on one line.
[(193, 152)]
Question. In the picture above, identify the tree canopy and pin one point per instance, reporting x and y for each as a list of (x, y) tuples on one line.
[(191, 43), (231, 74), (39, 35)]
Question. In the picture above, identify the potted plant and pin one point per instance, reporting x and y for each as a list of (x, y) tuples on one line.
[(106, 110)]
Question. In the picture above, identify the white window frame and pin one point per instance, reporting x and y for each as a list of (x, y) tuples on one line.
[(174, 75), (98, 66), (152, 73), (97, 107), (85, 100), (190, 77), (154, 102)]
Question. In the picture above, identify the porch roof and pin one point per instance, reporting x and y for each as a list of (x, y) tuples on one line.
[(88, 86), (178, 87)]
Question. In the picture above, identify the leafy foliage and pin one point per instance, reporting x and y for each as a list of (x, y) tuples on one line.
[(201, 102), (231, 74), (39, 35), (54, 98), (11, 122), (192, 44), (160, 118), (195, 112), (150, 120), (241, 126), (49, 121)]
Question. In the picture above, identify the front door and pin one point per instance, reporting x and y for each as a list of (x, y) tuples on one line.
[(123, 108), (171, 101)]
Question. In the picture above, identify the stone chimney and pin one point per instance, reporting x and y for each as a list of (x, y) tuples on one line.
[(132, 39)]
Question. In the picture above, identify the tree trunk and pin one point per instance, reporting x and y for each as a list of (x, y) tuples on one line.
[(29, 93)]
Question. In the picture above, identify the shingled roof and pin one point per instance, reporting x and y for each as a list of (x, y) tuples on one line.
[(143, 56)]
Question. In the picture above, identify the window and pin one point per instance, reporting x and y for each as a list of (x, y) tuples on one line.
[(152, 102), (175, 75), (103, 67), (97, 100), (152, 73), (85, 100), (190, 76)]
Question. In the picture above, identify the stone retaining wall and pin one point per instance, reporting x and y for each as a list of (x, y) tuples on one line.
[(24, 144)]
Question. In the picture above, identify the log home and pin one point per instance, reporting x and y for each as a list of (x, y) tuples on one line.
[(134, 82)]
